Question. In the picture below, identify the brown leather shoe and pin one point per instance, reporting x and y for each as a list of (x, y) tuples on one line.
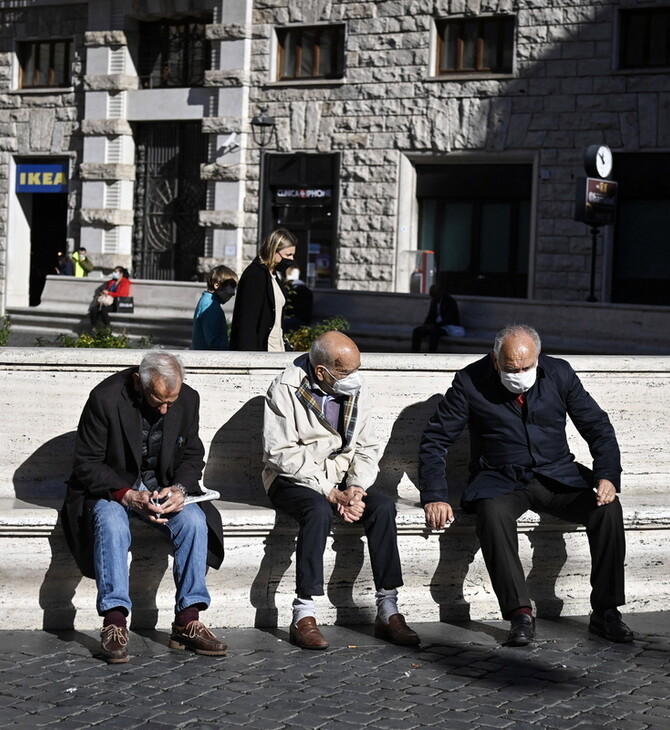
[(306, 634), (396, 631), (114, 644), (198, 638)]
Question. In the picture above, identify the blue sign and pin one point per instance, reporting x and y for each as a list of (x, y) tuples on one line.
[(36, 178)]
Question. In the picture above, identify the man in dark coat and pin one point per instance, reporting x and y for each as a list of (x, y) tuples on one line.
[(514, 403), (138, 454), (442, 318)]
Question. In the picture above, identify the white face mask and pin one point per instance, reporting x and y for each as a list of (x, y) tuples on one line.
[(519, 382), (115, 275), (346, 386)]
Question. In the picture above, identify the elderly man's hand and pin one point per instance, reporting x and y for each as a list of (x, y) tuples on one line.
[(438, 515), (171, 499), (348, 502), (605, 492)]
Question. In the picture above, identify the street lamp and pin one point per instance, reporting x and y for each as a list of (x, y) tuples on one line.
[(263, 128)]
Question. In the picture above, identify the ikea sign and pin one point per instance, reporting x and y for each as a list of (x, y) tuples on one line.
[(41, 178)]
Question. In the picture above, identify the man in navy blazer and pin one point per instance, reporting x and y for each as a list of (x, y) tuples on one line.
[(514, 402), (138, 454)]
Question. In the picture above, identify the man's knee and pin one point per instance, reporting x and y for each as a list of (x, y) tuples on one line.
[(109, 516), (192, 518), (319, 511), (380, 505)]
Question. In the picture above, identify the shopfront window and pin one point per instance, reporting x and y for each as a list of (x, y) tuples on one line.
[(476, 218), (300, 194)]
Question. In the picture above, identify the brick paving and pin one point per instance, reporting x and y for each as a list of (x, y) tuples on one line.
[(460, 676)]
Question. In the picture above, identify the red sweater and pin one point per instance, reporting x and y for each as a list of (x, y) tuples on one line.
[(122, 287)]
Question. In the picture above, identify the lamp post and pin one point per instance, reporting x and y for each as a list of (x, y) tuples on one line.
[(263, 128)]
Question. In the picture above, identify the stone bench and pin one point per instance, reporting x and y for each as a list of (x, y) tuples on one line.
[(163, 310), (383, 322), (44, 390)]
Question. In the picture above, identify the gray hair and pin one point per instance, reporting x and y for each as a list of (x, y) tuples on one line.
[(161, 365), (514, 330)]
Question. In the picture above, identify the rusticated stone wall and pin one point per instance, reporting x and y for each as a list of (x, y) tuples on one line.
[(563, 96)]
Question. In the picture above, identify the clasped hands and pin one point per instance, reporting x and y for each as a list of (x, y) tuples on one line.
[(171, 499), (348, 502)]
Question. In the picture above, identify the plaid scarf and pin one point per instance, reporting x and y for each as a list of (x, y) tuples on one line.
[(306, 397)]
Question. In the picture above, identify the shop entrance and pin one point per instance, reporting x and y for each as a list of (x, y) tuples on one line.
[(300, 194), (48, 237)]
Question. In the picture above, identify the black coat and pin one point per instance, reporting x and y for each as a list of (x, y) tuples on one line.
[(448, 308), (108, 457), (254, 311), (507, 443)]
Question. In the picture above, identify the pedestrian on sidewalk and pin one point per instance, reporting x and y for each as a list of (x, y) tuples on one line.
[(210, 329), (138, 455), (259, 302), (514, 403)]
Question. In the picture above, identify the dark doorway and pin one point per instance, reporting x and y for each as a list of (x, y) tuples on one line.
[(641, 269), (300, 193), (48, 236), (167, 239), (476, 218)]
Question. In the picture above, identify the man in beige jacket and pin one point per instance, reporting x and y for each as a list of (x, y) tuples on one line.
[(321, 458)]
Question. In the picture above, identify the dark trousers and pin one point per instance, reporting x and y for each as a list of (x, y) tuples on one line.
[(314, 515), (102, 313), (432, 331), (497, 533)]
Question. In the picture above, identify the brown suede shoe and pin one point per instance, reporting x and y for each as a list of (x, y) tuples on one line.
[(198, 638), (306, 634), (396, 631), (114, 644)]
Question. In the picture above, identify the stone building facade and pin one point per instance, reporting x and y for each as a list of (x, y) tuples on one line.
[(392, 127)]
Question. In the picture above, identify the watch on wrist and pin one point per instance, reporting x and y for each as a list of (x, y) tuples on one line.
[(182, 489)]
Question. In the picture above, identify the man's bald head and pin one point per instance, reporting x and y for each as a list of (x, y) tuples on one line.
[(332, 349)]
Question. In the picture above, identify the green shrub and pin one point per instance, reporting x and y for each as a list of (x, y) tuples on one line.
[(103, 337), (302, 338), (5, 326)]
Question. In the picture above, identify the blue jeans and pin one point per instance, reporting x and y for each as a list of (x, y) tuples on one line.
[(187, 530)]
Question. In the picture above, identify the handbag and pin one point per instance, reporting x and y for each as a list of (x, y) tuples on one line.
[(125, 305), (105, 300)]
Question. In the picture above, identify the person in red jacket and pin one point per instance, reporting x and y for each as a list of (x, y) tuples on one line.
[(117, 286)]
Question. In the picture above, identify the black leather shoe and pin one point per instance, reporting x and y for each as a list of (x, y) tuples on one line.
[(610, 625), (522, 630), (114, 644)]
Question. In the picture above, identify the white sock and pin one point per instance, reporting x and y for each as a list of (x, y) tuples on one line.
[(303, 607), (387, 603)]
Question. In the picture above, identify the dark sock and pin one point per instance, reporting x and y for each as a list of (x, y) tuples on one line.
[(523, 609), (114, 617), (184, 618)]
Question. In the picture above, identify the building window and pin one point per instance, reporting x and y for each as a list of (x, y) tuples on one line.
[(476, 219), (645, 38), (45, 63), (173, 53), (475, 45), (310, 52), (641, 257)]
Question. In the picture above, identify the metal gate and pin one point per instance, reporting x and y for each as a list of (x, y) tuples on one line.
[(167, 240)]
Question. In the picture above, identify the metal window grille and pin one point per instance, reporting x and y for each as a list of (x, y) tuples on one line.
[(174, 53)]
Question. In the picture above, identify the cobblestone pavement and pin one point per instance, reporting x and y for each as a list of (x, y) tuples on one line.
[(459, 677)]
